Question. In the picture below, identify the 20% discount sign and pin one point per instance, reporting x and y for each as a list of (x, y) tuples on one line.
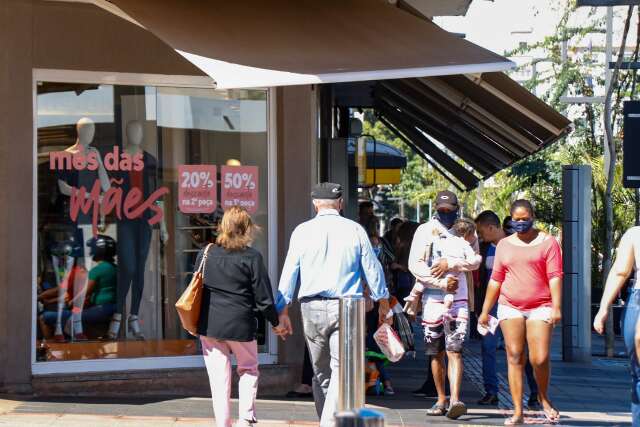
[(197, 189), (239, 187)]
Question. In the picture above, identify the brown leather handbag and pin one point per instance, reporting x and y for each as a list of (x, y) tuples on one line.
[(188, 306)]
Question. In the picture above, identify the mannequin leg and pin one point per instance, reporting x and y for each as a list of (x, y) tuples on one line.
[(62, 289), (81, 281), (143, 232), (126, 266), (126, 262)]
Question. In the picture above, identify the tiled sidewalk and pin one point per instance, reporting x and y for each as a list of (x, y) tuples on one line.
[(586, 395)]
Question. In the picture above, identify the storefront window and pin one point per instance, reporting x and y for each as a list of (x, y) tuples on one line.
[(132, 182)]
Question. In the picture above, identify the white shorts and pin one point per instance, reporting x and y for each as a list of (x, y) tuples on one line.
[(507, 312)]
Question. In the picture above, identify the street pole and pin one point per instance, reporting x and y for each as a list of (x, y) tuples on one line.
[(351, 354), (418, 212), (637, 206), (607, 78)]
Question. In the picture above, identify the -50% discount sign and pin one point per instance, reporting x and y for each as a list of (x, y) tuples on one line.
[(239, 187), (197, 190)]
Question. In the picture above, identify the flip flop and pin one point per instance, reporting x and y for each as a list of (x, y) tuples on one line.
[(513, 421), (437, 410), (551, 414), (456, 410)]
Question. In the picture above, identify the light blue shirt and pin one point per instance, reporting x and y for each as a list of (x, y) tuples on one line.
[(330, 254)]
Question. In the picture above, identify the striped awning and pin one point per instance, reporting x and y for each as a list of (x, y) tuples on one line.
[(486, 120)]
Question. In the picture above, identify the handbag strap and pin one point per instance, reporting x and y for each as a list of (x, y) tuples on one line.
[(204, 258)]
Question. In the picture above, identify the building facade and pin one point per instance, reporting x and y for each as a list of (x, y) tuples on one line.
[(159, 144)]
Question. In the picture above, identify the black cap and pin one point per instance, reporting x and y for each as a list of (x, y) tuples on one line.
[(446, 199), (326, 190)]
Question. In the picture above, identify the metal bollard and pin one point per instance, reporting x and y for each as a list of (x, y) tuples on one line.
[(351, 374), (361, 418)]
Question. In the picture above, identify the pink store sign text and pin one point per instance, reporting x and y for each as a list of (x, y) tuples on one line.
[(197, 189), (97, 202), (239, 187)]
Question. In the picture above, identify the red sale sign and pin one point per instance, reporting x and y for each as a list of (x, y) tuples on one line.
[(197, 190), (239, 187)]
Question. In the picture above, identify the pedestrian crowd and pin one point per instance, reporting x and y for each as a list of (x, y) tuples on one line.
[(498, 280)]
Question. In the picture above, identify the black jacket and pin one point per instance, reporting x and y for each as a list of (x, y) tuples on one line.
[(236, 284)]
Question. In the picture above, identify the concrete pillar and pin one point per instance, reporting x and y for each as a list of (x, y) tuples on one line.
[(16, 180), (576, 248)]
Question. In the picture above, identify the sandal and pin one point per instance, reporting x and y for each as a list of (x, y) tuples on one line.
[(514, 421), (551, 414), (437, 410), (456, 410)]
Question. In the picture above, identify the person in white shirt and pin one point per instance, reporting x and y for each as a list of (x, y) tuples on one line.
[(429, 264), (329, 257)]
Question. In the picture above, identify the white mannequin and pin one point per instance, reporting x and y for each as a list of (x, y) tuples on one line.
[(135, 135), (86, 130)]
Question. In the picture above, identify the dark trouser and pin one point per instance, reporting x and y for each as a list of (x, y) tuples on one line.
[(91, 315), (134, 238), (629, 328)]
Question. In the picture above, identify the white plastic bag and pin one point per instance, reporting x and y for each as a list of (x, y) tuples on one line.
[(492, 326), (389, 342)]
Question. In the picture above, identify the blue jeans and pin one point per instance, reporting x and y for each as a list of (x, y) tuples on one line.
[(489, 375), (629, 329), (90, 315), (488, 352)]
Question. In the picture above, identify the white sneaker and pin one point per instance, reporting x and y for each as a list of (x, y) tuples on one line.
[(244, 423)]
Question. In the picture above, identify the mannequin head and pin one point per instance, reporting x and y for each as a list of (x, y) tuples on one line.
[(134, 133), (86, 130)]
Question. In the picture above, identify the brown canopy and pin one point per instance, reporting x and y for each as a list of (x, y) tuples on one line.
[(247, 43), (489, 121)]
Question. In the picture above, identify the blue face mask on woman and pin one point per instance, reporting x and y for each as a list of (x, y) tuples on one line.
[(521, 226), (447, 218)]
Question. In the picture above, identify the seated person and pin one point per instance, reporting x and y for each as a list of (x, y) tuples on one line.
[(101, 288)]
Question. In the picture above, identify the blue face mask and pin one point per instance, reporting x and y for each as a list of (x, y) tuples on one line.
[(447, 218), (521, 226), (376, 250)]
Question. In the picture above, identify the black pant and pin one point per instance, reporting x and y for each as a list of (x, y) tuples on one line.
[(134, 238)]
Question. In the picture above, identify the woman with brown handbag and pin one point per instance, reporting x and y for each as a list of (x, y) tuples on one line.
[(235, 284)]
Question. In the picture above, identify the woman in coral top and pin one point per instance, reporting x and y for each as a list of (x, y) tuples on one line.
[(527, 282)]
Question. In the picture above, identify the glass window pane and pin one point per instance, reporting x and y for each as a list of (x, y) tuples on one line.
[(117, 238)]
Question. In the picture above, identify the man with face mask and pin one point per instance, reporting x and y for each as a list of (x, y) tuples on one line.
[(428, 264)]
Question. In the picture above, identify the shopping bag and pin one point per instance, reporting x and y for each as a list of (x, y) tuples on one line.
[(188, 305), (389, 342), (403, 328), (493, 325)]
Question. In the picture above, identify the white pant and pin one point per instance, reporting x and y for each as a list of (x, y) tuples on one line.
[(217, 358)]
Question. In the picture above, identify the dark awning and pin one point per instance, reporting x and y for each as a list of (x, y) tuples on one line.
[(257, 43), (486, 120)]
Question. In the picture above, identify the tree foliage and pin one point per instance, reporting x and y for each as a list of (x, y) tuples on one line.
[(539, 177)]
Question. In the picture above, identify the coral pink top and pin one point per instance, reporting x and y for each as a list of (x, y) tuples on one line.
[(525, 272)]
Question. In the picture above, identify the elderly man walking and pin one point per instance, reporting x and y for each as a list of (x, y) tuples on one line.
[(329, 255)]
